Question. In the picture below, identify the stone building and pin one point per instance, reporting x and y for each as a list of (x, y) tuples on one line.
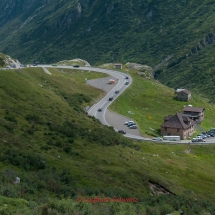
[(178, 125), (183, 94)]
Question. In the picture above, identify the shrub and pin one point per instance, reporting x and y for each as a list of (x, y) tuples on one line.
[(33, 118), (25, 160), (10, 118), (67, 149)]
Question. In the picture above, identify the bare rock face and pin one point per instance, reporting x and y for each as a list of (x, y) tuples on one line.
[(11, 62)]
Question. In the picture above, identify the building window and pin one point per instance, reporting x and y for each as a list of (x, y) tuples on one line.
[(165, 129), (178, 129)]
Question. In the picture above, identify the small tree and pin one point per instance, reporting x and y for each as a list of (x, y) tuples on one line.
[(2, 62)]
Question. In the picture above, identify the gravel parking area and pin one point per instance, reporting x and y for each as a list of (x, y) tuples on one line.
[(117, 121), (112, 118), (103, 83)]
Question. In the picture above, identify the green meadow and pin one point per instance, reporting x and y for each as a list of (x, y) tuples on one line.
[(147, 101), (61, 154)]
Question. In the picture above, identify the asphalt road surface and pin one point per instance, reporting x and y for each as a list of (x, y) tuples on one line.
[(109, 118)]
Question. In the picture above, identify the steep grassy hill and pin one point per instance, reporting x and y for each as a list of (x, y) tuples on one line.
[(62, 155), (175, 38)]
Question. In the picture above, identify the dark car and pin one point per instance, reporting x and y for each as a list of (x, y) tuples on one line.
[(130, 124), (100, 109), (126, 77), (76, 66), (111, 98), (126, 83), (117, 91), (122, 131), (211, 134)]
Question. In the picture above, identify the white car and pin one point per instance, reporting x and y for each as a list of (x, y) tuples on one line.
[(126, 123), (133, 126)]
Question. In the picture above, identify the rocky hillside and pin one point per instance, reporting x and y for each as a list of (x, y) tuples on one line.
[(7, 60), (175, 38)]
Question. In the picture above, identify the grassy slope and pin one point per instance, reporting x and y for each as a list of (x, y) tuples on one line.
[(153, 30), (112, 170), (120, 31), (196, 74), (150, 101)]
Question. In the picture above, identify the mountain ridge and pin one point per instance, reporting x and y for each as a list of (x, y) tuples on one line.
[(161, 35)]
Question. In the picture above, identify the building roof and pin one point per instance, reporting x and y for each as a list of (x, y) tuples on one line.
[(179, 90), (179, 120), (166, 118), (184, 91), (193, 109)]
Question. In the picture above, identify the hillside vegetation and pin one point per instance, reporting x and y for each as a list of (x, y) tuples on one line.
[(176, 38), (62, 155), (2, 60), (147, 101)]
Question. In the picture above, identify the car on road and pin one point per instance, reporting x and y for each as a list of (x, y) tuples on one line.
[(100, 109), (197, 140), (127, 83), (122, 131), (75, 65), (34, 65), (157, 139), (126, 123), (126, 77), (8, 67), (54, 64), (133, 126), (111, 98), (117, 91)]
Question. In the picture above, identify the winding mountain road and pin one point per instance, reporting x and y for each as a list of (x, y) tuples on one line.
[(104, 102)]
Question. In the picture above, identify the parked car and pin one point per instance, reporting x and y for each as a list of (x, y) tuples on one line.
[(201, 136), (54, 64), (127, 83), (111, 98), (157, 139), (117, 91), (126, 77), (122, 131), (133, 126), (130, 124), (8, 67), (76, 66), (100, 109), (126, 123)]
